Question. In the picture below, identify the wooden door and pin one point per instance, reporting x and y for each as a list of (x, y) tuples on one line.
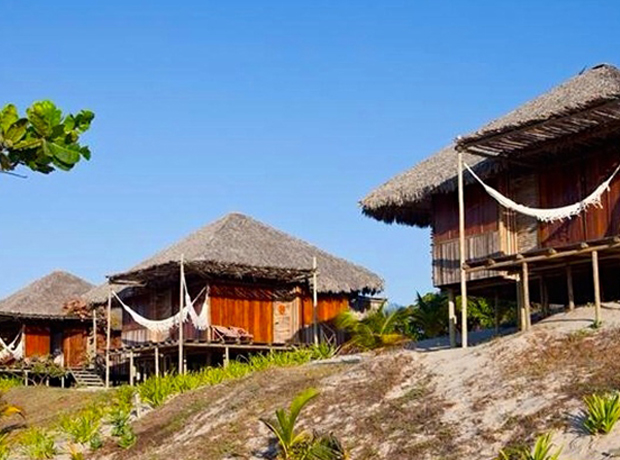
[(37, 340), (282, 321), (74, 347)]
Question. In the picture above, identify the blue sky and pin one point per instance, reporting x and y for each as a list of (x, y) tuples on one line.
[(287, 111)]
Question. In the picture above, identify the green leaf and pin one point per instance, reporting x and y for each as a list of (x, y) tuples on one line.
[(16, 131), (44, 116), (8, 116), (67, 155)]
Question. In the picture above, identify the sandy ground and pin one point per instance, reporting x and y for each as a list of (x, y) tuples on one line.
[(422, 402)]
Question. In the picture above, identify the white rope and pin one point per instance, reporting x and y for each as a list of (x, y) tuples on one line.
[(12, 350), (162, 325), (549, 214)]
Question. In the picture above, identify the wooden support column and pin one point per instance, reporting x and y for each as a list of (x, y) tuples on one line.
[(569, 287), (315, 303), (26, 378), (452, 318), (525, 280), (462, 255), (496, 307), (597, 288), (544, 296), (132, 370), (181, 368), (156, 361), (94, 335), (226, 356), (108, 337), (520, 313)]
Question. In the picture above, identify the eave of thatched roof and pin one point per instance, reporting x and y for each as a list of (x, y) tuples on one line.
[(587, 102), (406, 198), (45, 297), (240, 247)]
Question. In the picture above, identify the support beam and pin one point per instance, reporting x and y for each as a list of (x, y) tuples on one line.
[(452, 318), (181, 368), (156, 361), (132, 370), (597, 288), (525, 280), (462, 255), (94, 356), (226, 356), (570, 288), (108, 337), (520, 309), (315, 303)]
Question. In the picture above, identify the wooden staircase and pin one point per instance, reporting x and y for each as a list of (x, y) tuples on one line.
[(86, 378)]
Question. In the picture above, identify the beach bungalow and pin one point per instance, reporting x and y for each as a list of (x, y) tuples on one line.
[(528, 206), (36, 322), (240, 286)]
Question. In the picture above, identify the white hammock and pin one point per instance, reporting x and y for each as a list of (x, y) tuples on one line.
[(549, 214), (201, 321), (14, 350), (162, 325)]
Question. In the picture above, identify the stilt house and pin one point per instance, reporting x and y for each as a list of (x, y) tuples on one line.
[(561, 149), (251, 283), (34, 322)]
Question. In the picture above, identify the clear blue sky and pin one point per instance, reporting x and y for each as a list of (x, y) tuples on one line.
[(289, 111)]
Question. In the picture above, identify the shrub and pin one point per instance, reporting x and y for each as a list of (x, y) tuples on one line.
[(124, 396), (127, 438), (5, 447), (155, 390), (119, 419), (602, 412), (83, 427), (6, 383), (37, 444), (377, 330), (541, 451)]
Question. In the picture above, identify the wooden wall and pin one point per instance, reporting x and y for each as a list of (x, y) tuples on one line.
[(38, 340), (259, 309)]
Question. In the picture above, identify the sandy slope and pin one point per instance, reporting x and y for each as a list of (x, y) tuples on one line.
[(426, 402)]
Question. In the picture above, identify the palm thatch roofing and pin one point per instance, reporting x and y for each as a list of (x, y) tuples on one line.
[(587, 103), (238, 246), (45, 297)]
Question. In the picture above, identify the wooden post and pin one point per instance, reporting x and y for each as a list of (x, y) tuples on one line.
[(569, 287), (315, 303), (181, 369), (452, 318), (597, 288), (544, 296), (526, 296), (62, 381), (94, 335), (132, 370), (226, 356), (520, 314), (462, 255), (496, 307), (108, 337), (156, 361), (26, 378)]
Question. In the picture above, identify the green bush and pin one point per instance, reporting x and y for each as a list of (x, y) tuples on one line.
[(82, 427), (37, 443), (5, 447), (602, 412), (6, 383)]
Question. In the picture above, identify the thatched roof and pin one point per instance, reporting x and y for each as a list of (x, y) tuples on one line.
[(406, 198), (585, 103), (45, 297), (238, 246), (597, 91)]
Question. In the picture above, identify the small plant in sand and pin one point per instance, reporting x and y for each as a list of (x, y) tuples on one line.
[(294, 444), (542, 451), (83, 428), (38, 444), (5, 447), (602, 412)]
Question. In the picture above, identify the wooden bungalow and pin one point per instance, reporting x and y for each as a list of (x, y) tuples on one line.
[(258, 284), (552, 152), (36, 320)]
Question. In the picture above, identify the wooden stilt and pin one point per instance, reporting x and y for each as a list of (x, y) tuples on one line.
[(156, 361), (132, 369), (525, 280), (181, 368), (462, 255), (597, 288), (520, 309), (496, 307), (62, 381), (569, 287), (94, 356), (452, 318), (315, 303), (544, 297), (226, 356), (108, 337)]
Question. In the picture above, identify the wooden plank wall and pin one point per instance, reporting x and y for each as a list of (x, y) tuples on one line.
[(37, 340), (74, 346)]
